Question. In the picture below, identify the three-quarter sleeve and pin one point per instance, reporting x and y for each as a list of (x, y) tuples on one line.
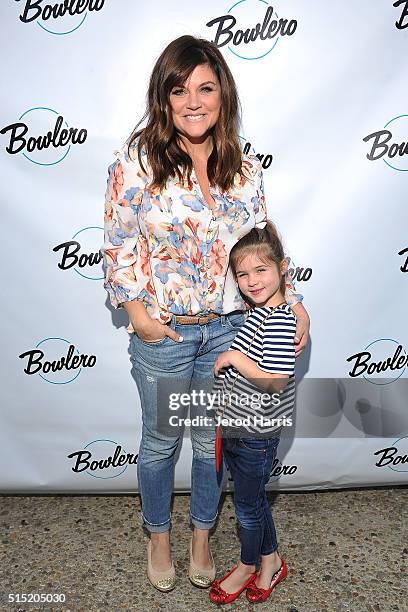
[(292, 297), (124, 249)]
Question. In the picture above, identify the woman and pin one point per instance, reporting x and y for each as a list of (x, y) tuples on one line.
[(179, 196)]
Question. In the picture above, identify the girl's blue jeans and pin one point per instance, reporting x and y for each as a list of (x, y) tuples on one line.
[(250, 463), (183, 365)]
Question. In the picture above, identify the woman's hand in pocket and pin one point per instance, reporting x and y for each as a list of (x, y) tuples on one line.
[(154, 331)]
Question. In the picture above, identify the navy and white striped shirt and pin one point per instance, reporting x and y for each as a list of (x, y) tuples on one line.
[(248, 406)]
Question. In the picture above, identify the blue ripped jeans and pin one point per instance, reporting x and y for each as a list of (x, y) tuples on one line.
[(178, 366), (250, 462)]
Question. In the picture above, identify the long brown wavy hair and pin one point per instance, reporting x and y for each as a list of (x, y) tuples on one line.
[(159, 138)]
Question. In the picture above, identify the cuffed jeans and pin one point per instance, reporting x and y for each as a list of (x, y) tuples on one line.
[(250, 463), (185, 363)]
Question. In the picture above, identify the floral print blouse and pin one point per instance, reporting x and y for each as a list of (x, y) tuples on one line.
[(169, 249)]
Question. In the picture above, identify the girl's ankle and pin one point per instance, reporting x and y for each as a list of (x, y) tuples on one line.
[(246, 569), (274, 556), (269, 561)]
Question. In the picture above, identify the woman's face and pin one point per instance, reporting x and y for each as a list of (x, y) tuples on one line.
[(196, 105)]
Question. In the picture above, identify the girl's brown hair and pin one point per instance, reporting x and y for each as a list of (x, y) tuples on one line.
[(266, 243), (159, 137)]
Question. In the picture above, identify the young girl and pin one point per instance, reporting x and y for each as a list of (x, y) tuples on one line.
[(259, 365)]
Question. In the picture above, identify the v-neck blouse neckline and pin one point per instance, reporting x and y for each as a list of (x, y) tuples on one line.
[(214, 193)]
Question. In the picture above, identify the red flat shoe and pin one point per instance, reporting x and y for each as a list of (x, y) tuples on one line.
[(255, 594), (219, 596)]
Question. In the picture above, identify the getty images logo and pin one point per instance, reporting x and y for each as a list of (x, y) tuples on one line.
[(58, 17), (390, 144), (82, 253), (56, 360), (43, 136), (251, 29), (381, 363)]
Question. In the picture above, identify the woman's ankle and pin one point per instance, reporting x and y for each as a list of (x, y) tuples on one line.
[(200, 535), (160, 539)]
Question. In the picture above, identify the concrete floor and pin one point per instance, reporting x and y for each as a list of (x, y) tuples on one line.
[(346, 551)]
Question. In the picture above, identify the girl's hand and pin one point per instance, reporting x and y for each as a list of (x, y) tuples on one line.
[(302, 333), (302, 327), (223, 361)]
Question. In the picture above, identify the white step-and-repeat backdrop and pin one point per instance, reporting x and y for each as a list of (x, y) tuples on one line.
[(324, 91)]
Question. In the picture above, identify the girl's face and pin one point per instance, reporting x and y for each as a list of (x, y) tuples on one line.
[(261, 281), (196, 105)]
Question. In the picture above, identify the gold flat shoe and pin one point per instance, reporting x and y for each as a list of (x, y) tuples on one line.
[(162, 581), (200, 577)]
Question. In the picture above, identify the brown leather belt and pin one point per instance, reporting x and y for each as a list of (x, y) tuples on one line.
[(196, 320)]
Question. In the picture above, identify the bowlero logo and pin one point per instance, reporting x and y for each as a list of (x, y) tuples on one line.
[(102, 459), (391, 144), (384, 359), (56, 360), (248, 149), (298, 274), (82, 253), (44, 137), (394, 457), (251, 29), (404, 253), (402, 23), (58, 17), (279, 470)]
